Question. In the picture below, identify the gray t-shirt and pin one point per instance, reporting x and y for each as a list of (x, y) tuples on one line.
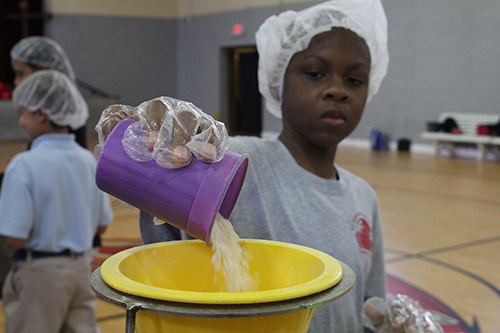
[(282, 201)]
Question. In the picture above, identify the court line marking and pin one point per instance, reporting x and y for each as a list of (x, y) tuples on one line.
[(443, 249), (424, 256)]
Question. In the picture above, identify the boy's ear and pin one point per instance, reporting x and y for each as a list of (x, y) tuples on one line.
[(42, 115)]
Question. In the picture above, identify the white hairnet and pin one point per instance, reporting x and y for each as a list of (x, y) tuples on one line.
[(280, 37), (42, 52), (56, 94)]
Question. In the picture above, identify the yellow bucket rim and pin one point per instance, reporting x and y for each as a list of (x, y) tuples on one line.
[(112, 275)]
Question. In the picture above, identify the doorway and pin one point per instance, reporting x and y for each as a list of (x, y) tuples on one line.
[(245, 104)]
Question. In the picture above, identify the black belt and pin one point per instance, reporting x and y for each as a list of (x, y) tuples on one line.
[(22, 254)]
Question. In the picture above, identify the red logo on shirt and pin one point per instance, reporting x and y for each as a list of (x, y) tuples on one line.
[(363, 233)]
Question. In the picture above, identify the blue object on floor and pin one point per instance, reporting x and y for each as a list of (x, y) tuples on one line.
[(378, 140)]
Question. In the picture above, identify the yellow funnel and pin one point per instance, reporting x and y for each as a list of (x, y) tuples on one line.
[(175, 283)]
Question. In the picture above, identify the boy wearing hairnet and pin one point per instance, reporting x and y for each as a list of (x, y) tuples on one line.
[(34, 53), (50, 210), (317, 70)]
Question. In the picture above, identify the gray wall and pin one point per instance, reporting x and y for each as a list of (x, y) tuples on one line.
[(134, 58), (201, 73), (443, 58)]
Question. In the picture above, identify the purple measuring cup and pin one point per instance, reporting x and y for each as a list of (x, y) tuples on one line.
[(188, 198)]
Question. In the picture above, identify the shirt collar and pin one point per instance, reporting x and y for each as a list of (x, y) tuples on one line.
[(63, 137)]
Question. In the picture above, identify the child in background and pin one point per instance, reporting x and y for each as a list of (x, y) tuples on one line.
[(317, 70), (34, 53), (50, 210), (29, 55)]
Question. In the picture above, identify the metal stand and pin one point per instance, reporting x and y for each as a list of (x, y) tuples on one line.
[(135, 303)]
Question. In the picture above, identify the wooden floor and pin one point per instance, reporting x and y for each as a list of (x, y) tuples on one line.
[(441, 220)]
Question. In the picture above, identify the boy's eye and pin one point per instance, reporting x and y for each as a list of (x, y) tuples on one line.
[(358, 79), (314, 74), (354, 80)]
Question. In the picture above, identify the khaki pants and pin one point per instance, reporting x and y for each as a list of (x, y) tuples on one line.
[(50, 295)]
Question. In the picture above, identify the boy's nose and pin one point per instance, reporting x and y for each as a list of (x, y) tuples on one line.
[(335, 90)]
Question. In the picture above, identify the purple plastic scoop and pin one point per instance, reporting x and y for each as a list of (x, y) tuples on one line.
[(188, 197)]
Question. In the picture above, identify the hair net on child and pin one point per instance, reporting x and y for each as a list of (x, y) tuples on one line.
[(280, 37), (56, 94), (42, 52)]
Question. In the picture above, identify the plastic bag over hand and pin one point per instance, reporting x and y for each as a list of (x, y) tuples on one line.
[(398, 314), (167, 130)]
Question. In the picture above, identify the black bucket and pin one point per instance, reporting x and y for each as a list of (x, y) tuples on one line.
[(404, 144)]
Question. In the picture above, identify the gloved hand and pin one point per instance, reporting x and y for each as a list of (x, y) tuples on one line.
[(110, 117), (167, 130), (398, 314)]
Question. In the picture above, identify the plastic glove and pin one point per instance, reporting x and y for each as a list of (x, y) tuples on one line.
[(168, 130), (398, 314), (110, 117)]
